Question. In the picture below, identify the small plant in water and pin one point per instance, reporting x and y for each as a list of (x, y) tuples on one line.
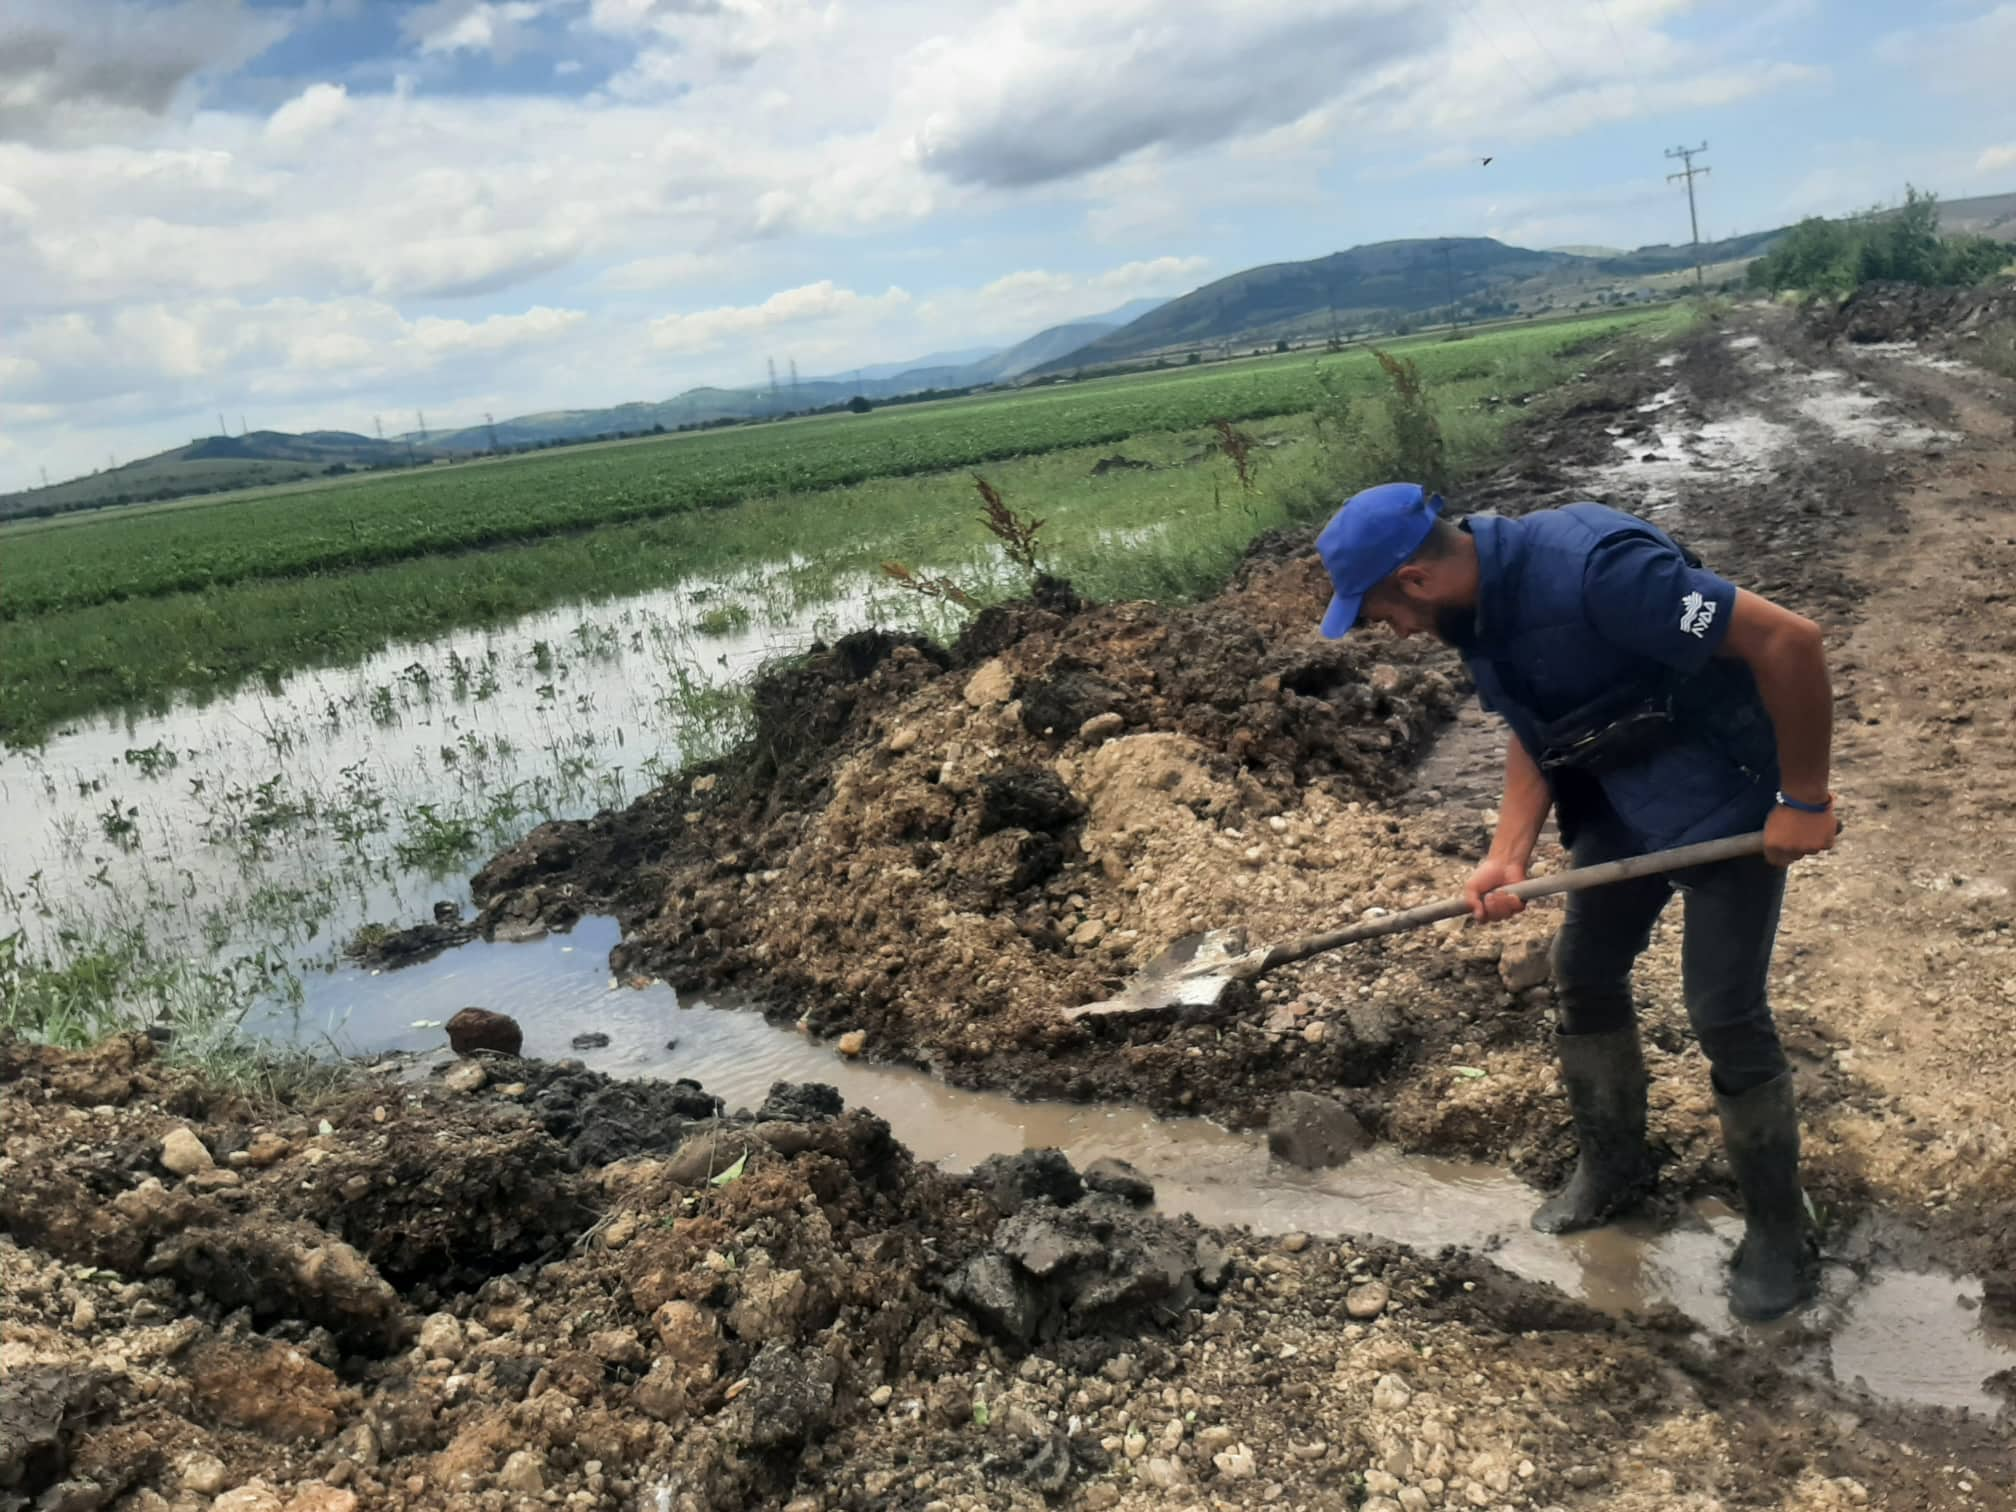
[(942, 588), (434, 842), (1238, 446), (1016, 533), (723, 619)]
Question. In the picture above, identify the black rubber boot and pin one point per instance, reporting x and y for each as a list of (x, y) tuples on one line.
[(1605, 1077), (1773, 1273)]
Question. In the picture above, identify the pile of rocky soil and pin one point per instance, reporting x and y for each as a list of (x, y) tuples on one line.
[(479, 1290), (1881, 312), (940, 850)]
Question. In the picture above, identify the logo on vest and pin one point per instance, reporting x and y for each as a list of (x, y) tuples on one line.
[(1696, 615)]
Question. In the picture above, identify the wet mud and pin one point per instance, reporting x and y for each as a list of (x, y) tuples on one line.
[(785, 1309)]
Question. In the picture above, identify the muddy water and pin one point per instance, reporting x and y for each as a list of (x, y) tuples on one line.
[(1905, 1335)]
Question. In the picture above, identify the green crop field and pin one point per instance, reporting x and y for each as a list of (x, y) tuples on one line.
[(404, 516), (128, 610)]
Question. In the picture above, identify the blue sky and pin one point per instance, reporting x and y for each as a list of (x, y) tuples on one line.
[(311, 212)]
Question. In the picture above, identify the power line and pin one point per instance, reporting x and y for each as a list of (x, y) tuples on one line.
[(1687, 155), (1492, 42), (1615, 36), (1546, 51)]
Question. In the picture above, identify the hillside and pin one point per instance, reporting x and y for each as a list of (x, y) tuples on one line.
[(1346, 291), (943, 372), (213, 464)]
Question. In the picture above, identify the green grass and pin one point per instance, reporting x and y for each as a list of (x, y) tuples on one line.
[(413, 515), (67, 661)]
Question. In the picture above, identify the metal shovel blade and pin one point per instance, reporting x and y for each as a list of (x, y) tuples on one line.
[(1188, 974)]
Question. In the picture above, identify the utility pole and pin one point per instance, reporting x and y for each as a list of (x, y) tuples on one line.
[(222, 428), (241, 424), (490, 425), (421, 416), (794, 382), (1687, 155), (379, 426), (1449, 281)]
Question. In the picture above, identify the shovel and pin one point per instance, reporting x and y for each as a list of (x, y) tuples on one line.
[(1196, 970)]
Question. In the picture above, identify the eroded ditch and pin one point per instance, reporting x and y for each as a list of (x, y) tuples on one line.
[(1903, 1334)]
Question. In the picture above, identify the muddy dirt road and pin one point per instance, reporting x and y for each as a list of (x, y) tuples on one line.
[(521, 1285)]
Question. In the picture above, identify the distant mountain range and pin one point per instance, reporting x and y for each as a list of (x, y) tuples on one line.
[(938, 373), (1379, 288)]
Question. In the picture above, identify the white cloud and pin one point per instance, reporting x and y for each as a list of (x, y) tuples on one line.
[(1049, 89), (1996, 159), (666, 271), (811, 305), (315, 109), (497, 27)]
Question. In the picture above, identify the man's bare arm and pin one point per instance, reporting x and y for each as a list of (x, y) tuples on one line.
[(1786, 656), (1521, 813)]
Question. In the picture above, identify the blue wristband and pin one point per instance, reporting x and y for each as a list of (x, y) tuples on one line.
[(1806, 808)]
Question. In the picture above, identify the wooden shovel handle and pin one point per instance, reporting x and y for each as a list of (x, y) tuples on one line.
[(1576, 879)]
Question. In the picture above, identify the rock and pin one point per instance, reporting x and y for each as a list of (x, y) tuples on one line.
[(266, 1148), (771, 1303), (524, 1472), (1525, 964), (478, 1029), (622, 1229), (690, 1338), (1116, 1178), (1011, 1180), (1091, 932), (990, 1286), (800, 1102), (703, 1156), (1295, 1243), (1235, 1463), (992, 684), (1366, 1300), (1390, 1393), (201, 1473), (215, 1179), (616, 1346), (592, 1040), (789, 1398), (1164, 1474), (183, 1153), (465, 1078), (1310, 1130), (901, 741), (1214, 1264), (441, 1337), (253, 1496), (1101, 727), (880, 1396), (852, 1043), (316, 1497)]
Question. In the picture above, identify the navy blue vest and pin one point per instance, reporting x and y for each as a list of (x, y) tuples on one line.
[(1538, 663)]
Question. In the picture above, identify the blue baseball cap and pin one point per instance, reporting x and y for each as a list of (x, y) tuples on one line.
[(1365, 541)]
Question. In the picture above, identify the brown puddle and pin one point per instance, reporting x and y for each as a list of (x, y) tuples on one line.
[(1904, 1335)]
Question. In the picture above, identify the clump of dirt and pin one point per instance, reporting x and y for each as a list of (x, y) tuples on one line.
[(820, 1324)]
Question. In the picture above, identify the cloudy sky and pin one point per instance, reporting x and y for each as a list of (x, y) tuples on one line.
[(313, 212)]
